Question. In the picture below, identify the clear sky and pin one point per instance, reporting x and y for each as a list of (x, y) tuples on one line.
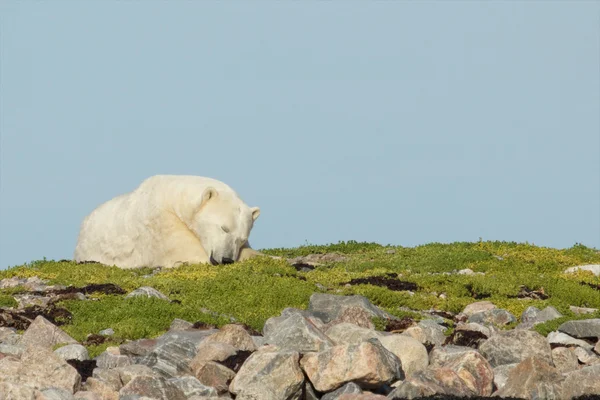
[(400, 122)]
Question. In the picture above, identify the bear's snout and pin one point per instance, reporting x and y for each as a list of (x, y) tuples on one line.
[(224, 260)]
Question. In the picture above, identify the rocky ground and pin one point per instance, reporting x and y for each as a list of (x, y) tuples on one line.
[(330, 350)]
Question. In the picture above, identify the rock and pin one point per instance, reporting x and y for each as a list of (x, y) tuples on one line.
[(477, 307), (346, 333), (141, 347), (31, 300), (593, 268), (127, 373), (354, 315), (361, 396), (501, 374), (72, 352), (585, 328), (564, 359), (367, 364), (412, 353), (427, 332), (191, 386), (442, 355), (496, 317), (430, 382), (559, 338), (329, 307), (348, 388), (214, 375), (43, 333), (108, 360), (56, 394), (154, 387), (9, 336), (147, 291), (234, 335), (211, 351), (12, 349), (585, 356), (515, 346), (110, 377), (12, 391), (597, 347), (533, 316), (471, 334), (582, 310), (107, 332), (171, 357), (269, 374), (40, 368), (582, 382), (533, 378), (475, 371), (295, 332), (180, 325), (87, 395), (101, 388)]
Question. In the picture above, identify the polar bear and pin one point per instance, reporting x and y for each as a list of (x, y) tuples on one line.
[(169, 220)]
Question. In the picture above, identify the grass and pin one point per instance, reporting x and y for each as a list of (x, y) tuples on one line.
[(257, 289)]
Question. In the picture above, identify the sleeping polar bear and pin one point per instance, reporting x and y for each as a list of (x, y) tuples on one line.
[(166, 221)]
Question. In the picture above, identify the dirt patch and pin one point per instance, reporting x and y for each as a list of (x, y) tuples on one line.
[(84, 368), (594, 286), (235, 362), (21, 319), (95, 339), (526, 293), (399, 325), (388, 282), (203, 326), (303, 267), (105, 288), (466, 338)]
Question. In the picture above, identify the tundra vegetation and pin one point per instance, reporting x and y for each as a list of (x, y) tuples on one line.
[(512, 275)]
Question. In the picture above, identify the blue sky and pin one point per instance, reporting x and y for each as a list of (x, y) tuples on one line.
[(401, 122)]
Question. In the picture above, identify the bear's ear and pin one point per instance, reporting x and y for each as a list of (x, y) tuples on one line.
[(209, 193), (255, 212)]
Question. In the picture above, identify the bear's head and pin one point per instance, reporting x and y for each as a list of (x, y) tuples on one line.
[(223, 223)]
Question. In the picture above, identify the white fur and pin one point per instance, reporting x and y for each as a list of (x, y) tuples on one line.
[(166, 221)]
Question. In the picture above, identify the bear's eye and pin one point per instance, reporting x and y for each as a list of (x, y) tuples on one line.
[(225, 229)]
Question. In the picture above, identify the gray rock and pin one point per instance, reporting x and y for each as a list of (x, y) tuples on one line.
[(475, 371), (412, 353), (559, 338), (234, 335), (141, 347), (12, 349), (585, 356), (43, 333), (107, 332), (171, 358), (180, 325), (9, 336), (593, 268), (309, 391), (515, 346), (501, 374), (367, 364), (269, 374), (31, 300), (582, 310), (108, 360), (477, 307), (147, 291), (430, 382), (191, 386), (442, 355), (564, 359), (73, 352), (154, 387), (348, 388), (346, 333), (427, 331), (110, 377), (38, 367), (533, 316), (214, 374), (585, 328), (328, 307), (582, 382), (57, 394), (127, 373), (497, 317), (533, 378), (295, 332)]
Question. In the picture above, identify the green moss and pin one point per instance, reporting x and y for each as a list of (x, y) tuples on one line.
[(257, 289), (553, 325)]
